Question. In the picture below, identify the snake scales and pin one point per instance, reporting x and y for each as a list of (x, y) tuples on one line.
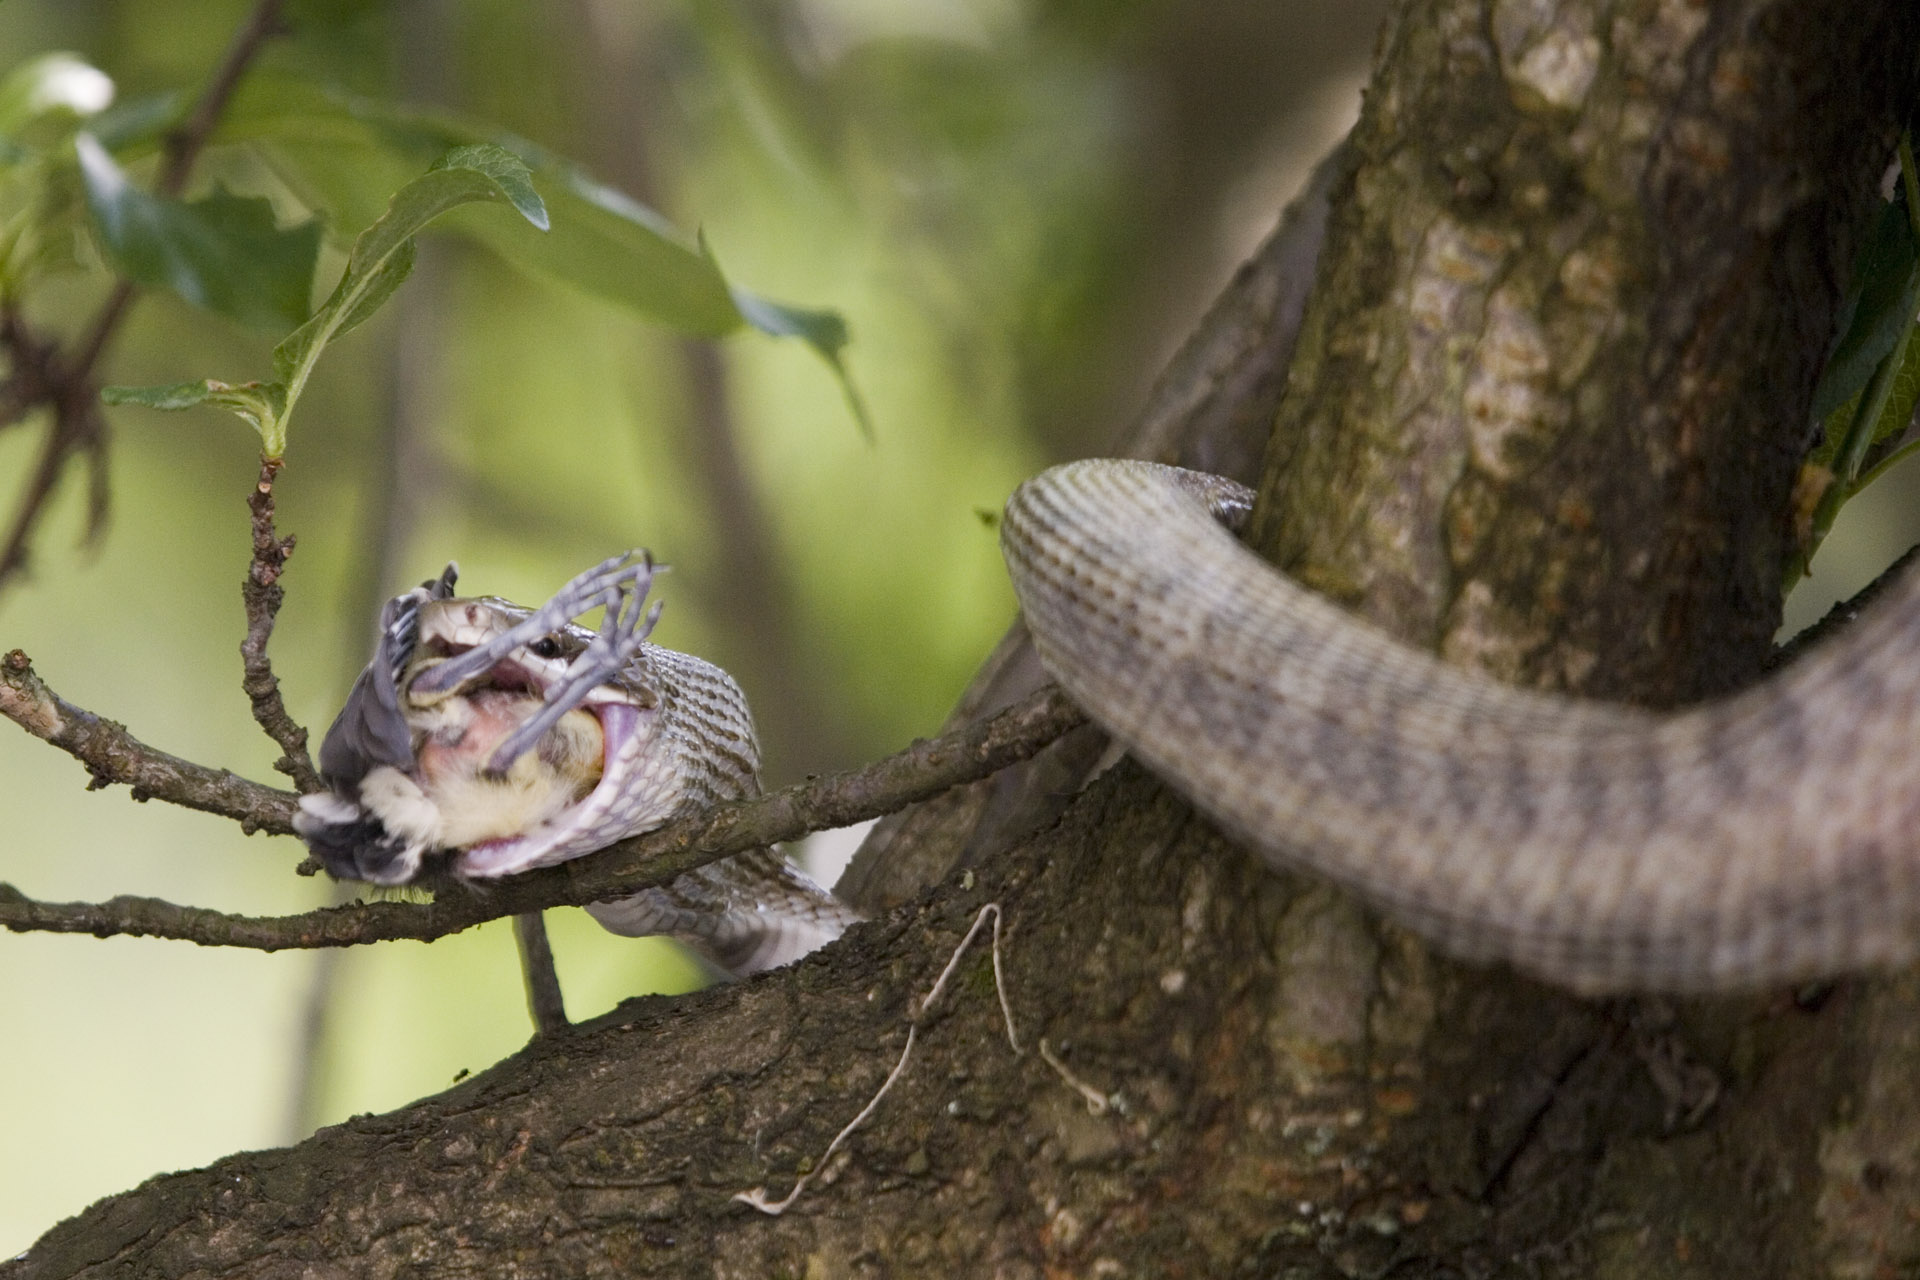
[(1757, 840), (484, 738), (1768, 837)]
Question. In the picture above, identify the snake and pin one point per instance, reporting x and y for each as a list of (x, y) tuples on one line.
[(1762, 839), (1766, 838), (484, 738)]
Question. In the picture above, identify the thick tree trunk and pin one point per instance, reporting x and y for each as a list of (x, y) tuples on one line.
[(1544, 414)]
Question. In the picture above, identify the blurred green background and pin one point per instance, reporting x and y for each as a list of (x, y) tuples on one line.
[(1018, 206)]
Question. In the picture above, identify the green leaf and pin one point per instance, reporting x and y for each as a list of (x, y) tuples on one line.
[(603, 241), (383, 256), (136, 124), (260, 403), (609, 245), (332, 145), (224, 253), (1871, 383), (381, 259), (176, 395), (380, 285), (824, 331), (1881, 299), (63, 86), (509, 174), (1903, 393)]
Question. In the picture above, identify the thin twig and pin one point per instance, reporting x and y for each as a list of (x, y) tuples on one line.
[(33, 370), (924, 769), (1841, 615), (75, 429), (545, 1002), (186, 141), (262, 594), (112, 755), (37, 375)]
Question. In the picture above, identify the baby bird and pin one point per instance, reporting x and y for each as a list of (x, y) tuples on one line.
[(496, 738)]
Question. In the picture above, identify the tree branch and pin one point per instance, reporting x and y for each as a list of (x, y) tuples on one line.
[(837, 800), (111, 755)]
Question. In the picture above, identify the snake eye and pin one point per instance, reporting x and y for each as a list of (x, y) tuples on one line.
[(546, 647)]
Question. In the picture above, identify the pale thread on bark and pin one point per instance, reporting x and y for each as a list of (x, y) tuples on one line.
[(1302, 1090)]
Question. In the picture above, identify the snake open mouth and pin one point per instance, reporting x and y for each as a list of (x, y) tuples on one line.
[(581, 825)]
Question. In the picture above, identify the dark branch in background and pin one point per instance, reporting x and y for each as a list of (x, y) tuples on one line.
[(37, 373), (38, 376), (111, 755), (924, 769), (262, 595), (1211, 409)]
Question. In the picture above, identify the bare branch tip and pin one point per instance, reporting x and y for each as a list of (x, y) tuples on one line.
[(25, 698)]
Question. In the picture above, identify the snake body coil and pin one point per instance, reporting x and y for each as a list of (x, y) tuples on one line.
[(488, 739), (1768, 837)]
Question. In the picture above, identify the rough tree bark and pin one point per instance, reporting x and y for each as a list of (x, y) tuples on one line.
[(1544, 414)]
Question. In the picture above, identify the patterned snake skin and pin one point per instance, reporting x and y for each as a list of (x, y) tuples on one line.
[(497, 739), (1769, 837)]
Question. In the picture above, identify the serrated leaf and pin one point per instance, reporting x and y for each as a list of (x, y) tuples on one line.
[(225, 253), (509, 173)]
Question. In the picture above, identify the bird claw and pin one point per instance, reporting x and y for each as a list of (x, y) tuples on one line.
[(609, 579), (623, 630)]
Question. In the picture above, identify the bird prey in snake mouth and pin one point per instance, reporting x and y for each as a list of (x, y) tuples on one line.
[(484, 738)]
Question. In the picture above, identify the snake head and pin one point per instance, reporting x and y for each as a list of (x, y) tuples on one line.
[(508, 733)]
